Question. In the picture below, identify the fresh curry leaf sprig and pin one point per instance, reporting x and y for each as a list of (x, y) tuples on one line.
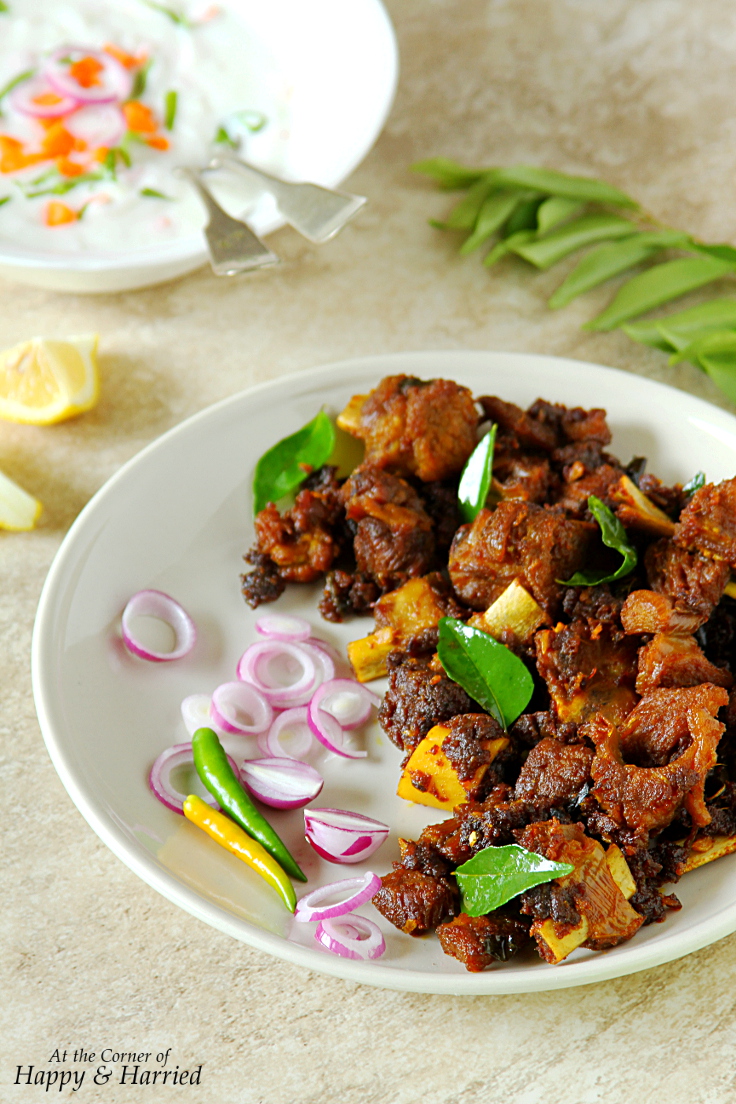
[(487, 670), (544, 216), (475, 481), (613, 536), (497, 874), (288, 463)]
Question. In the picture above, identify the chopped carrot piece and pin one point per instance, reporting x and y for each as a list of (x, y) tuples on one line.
[(139, 117), (158, 142), (100, 154), (13, 155), (57, 142), (69, 168), (85, 71), (47, 99), (57, 214), (130, 61)]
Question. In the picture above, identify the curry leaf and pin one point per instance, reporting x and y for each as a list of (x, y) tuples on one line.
[(555, 210), (493, 214), (694, 484), (713, 341), (610, 260), (448, 174), (524, 216), (721, 367), (613, 536), (464, 214), (288, 463), (475, 482), (487, 670), (658, 285), (508, 245), (495, 875), (684, 327), (586, 230), (560, 184)]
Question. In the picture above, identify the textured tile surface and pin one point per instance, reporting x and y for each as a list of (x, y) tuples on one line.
[(637, 91)]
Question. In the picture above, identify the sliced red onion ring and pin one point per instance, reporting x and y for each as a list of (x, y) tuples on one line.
[(347, 700), (98, 125), (351, 937), (115, 81), (324, 657), (289, 737), (195, 711), (330, 732), (159, 780), (281, 783), (154, 603), (341, 836), (269, 663), (240, 708), (354, 892), (280, 626), (24, 96)]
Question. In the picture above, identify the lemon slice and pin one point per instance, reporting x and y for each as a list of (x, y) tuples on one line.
[(18, 509), (44, 381)]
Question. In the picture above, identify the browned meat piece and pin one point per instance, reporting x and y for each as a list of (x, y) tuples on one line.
[(646, 799), (554, 771), (606, 916), (651, 868), (471, 748), (479, 941), (418, 697), (669, 499), (530, 728), (415, 902), (415, 427), (530, 430), (645, 611), (597, 602), (573, 423), (300, 544), (441, 503), (708, 522), (589, 668), (347, 592), (393, 538), (676, 661), (692, 581), (522, 541), (581, 483), (589, 454), (523, 475), (263, 584), (658, 730)]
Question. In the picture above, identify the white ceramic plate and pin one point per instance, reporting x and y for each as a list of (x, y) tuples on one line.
[(178, 518), (337, 64)]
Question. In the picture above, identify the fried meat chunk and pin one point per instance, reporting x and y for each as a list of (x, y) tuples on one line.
[(419, 697), (581, 483), (413, 427), (708, 522), (393, 538), (418, 894), (555, 772), (693, 581), (645, 799), (676, 661), (479, 941), (588, 667), (646, 611), (517, 541)]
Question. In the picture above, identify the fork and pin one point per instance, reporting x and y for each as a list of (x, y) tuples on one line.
[(315, 212), (233, 247)]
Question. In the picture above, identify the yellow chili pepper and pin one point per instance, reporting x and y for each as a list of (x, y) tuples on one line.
[(232, 837)]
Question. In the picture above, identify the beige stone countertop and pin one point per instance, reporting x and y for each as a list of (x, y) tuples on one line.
[(638, 92)]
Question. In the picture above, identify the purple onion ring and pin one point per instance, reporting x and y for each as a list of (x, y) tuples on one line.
[(154, 603)]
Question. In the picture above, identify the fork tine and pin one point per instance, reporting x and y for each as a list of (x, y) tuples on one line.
[(232, 245)]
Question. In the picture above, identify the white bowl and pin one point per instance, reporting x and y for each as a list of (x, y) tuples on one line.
[(341, 59)]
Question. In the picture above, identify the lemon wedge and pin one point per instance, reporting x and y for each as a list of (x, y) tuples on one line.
[(44, 381), (18, 509)]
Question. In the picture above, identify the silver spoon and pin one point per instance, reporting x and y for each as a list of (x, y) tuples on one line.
[(233, 247), (316, 212)]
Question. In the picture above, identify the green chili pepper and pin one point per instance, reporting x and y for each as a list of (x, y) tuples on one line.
[(219, 778)]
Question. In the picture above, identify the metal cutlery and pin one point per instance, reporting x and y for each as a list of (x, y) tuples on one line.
[(315, 212), (233, 247)]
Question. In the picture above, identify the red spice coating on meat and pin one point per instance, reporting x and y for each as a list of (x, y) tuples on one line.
[(645, 611), (676, 661), (708, 522), (415, 902), (580, 484), (479, 941), (646, 799), (589, 668), (418, 697), (422, 428), (393, 539), (693, 582), (554, 771), (522, 541)]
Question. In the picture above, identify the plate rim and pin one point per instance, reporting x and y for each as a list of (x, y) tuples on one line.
[(602, 967)]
